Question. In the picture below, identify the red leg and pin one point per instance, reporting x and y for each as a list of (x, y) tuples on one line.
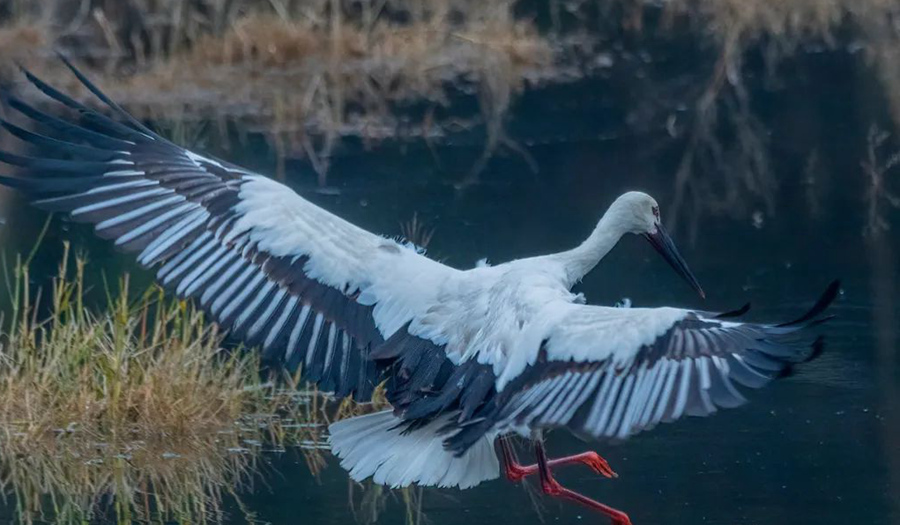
[(552, 487), (511, 467), (516, 472)]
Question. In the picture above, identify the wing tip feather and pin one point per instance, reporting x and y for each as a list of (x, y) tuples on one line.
[(822, 303)]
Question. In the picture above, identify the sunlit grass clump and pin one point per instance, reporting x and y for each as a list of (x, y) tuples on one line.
[(146, 365), (135, 409)]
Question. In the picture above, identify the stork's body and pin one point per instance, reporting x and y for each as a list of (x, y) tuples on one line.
[(466, 356)]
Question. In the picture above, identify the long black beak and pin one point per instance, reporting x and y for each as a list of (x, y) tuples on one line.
[(664, 245)]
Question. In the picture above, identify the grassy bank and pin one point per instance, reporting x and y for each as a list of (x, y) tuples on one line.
[(134, 409), (139, 409)]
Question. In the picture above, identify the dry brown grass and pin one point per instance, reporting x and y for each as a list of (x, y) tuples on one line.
[(310, 83), (264, 40), (307, 72), (130, 370), (372, 66), (136, 410)]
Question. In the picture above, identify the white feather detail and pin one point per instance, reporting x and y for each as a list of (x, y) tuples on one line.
[(575, 332), (370, 446), (131, 197)]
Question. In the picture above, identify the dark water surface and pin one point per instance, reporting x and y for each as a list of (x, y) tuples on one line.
[(821, 447)]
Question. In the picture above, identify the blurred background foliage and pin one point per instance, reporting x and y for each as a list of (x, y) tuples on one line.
[(320, 76)]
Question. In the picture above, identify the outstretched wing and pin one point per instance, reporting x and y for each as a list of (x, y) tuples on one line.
[(612, 372), (308, 287)]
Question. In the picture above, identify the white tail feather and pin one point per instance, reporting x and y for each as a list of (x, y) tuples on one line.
[(370, 446)]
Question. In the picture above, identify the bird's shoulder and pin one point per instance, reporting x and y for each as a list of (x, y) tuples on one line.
[(481, 313)]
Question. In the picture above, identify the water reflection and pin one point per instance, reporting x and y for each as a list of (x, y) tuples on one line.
[(369, 502), (68, 478)]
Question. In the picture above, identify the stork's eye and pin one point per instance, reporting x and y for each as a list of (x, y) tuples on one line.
[(655, 211)]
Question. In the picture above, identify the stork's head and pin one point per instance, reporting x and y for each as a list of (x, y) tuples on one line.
[(637, 212)]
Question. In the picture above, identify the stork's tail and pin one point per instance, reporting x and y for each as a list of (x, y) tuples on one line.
[(373, 446)]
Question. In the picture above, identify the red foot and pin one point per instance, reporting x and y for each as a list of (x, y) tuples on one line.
[(551, 487), (515, 472), (593, 460)]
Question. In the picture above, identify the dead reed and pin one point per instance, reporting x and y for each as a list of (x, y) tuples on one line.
[(310, 73), (137, 404), (307, 72)]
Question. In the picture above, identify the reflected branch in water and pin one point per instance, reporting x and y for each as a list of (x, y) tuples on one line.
[(417, 232), (727, 155), (717, 175), (876, 167), (370, 500)]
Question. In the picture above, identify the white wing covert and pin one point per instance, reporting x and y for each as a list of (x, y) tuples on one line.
[(659, 364)]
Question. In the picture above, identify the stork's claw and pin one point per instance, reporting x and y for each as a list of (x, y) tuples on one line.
[(551, 487), (516, 472), (597, 463)]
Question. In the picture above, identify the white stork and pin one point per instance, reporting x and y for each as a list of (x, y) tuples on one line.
[(467, 356)]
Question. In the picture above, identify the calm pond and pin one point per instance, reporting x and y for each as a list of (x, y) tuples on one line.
[(822, 446)]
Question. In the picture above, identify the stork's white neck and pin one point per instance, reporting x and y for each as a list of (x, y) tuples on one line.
[(582, 259)]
